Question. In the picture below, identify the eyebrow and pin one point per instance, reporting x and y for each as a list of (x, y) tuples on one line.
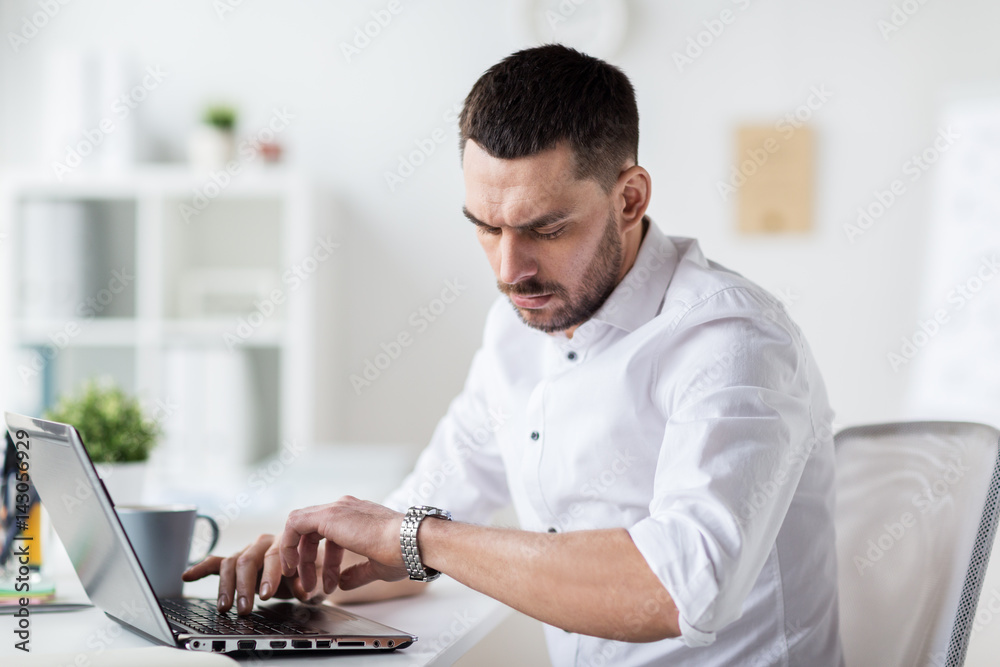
[(541, 221)]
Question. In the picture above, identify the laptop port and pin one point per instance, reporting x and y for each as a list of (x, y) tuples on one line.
[(349, 643), (390, 643), (376, 643), (246, 644), (322, 643), (218, 646), (301, 643), (279, 643)]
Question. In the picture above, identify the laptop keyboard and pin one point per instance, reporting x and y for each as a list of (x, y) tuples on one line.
[(203, 617)]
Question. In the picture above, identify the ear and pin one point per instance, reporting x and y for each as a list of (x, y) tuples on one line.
[(632, 194)]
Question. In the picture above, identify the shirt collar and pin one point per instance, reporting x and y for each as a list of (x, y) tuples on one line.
[(638, 297)]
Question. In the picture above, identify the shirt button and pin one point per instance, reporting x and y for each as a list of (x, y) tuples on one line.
[(534, 435), (571, 356)]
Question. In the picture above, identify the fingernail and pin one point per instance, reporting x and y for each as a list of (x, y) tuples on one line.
[(222, 601), (265, 590), (327, 584), (243, 603)]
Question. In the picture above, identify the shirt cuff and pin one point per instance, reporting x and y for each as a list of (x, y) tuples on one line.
[(692, 636), (691, 593)]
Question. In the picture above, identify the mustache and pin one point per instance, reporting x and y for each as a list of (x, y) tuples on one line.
[(530, 287)]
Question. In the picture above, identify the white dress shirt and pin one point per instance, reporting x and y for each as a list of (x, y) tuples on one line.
[(689, 411)]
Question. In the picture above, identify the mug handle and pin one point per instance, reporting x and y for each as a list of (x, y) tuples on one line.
[(215, 537)]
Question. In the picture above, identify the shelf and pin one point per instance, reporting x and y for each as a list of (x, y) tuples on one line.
[(106, 274), (168, 180), (77, 332), (127, 332), (212, 332)]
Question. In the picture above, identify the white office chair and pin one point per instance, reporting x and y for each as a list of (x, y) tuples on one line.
[(916, 518)]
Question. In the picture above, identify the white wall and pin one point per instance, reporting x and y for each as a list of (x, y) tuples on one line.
[(353, 120)]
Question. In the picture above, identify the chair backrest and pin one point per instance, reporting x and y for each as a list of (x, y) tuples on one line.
[(916, 517)]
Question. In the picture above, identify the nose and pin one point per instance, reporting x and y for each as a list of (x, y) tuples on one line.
[(517, 262)]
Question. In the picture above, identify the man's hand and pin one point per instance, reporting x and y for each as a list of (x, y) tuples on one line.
[(240, 574), (360, 526)]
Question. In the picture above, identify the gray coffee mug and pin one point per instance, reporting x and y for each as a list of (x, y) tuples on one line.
[(161, 537)]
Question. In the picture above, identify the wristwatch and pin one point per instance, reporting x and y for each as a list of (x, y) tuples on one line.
[(408, 541)]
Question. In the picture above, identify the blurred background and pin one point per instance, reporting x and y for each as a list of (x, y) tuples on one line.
[(248, 213)]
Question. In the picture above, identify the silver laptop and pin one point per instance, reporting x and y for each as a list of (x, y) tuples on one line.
[(85, 520)]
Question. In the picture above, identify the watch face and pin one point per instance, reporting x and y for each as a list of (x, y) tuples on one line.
[(435, 512)]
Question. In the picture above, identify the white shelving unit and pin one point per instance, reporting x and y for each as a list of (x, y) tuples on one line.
[(171, 332)]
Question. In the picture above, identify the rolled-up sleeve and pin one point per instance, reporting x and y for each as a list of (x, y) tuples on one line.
[(739, 427)]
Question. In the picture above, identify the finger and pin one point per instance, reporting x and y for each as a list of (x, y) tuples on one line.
[(299, 523), (299, 591), (333, 557), (358, 575), (308, 548), (270, 581), (288, 548), (248, 564), (227, 583), (200, 570)]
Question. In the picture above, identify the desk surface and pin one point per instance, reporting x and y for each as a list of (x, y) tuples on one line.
[(448, 619)]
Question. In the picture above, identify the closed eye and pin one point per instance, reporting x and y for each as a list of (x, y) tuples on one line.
[(488, 229), (549, 235)]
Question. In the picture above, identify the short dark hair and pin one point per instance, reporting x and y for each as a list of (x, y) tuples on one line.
[(536, 98)]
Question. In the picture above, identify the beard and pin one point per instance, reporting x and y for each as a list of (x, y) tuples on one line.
[(598, 282)]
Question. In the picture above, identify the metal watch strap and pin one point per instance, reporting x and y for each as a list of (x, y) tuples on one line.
[(408, 541)]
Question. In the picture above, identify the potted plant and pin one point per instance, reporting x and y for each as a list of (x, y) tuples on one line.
[(213, 143), (117, 434)]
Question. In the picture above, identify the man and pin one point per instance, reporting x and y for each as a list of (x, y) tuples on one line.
[(657, 421)]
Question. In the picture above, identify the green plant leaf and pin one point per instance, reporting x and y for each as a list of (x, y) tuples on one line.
[(111, 422)]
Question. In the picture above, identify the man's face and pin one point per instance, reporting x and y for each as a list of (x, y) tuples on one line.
[(552, 240)]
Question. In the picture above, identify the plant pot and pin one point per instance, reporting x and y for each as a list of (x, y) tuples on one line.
[(210, 148), (126, 482)]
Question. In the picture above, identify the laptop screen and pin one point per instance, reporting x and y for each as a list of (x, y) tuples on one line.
[(84, 518)]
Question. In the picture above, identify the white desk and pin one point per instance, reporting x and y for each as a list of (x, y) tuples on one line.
[(448, 619)]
